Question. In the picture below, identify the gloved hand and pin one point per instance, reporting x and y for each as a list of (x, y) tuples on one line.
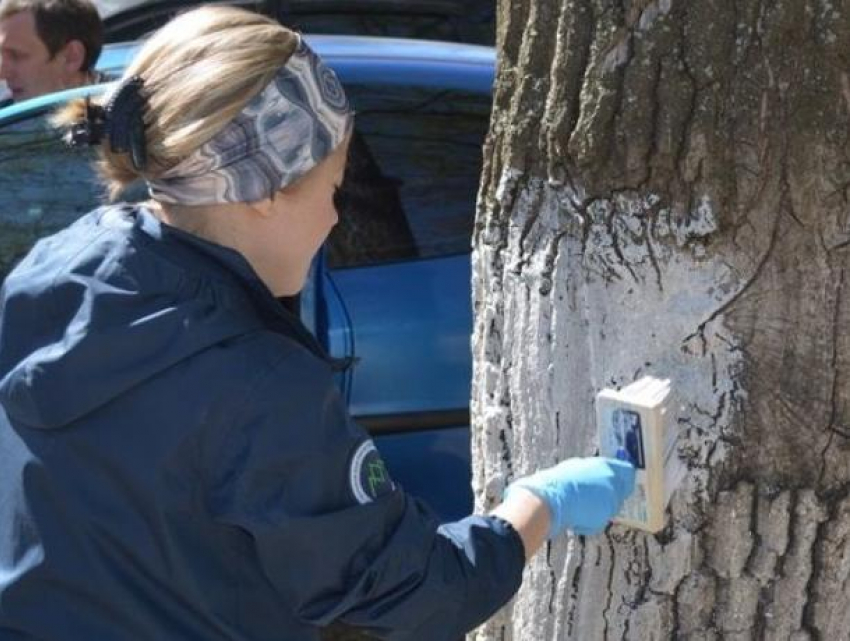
[(582, 494)]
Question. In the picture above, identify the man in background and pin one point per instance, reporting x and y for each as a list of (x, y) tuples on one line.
[(48, 45)]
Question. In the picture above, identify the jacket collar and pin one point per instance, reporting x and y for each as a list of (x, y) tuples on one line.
[(229, 268)]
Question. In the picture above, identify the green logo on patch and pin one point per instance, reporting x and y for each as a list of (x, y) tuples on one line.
[(378, 476), (368, 475)]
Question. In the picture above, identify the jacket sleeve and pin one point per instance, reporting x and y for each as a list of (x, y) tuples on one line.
[(334, 535)]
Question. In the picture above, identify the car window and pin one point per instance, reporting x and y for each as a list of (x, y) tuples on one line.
[(412, 176), (411, 180), (44, 186)]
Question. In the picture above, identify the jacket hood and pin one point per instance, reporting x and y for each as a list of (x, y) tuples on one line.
[(103, 305)]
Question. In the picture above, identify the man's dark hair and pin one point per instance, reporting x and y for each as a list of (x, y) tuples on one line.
[(60, 21)]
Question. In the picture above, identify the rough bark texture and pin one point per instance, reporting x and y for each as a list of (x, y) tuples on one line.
[(667, 190)]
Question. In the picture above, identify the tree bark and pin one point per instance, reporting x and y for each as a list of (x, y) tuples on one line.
[(666, 190)]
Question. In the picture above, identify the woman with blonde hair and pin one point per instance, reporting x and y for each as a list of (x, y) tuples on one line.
[(177, 463)]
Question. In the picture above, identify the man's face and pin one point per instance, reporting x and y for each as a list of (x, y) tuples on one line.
[(25, 62)]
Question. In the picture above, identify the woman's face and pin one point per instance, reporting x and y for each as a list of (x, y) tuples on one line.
[(299, 220)]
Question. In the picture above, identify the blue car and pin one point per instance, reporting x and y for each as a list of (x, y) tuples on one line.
[(389, 295)]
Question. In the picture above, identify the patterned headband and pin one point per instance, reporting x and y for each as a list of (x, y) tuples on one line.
[(285, 131)]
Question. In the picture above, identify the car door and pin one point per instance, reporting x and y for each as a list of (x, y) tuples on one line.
[(399, 260)]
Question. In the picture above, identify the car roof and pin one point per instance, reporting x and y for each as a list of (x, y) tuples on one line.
[(356, 59), (375, 49)]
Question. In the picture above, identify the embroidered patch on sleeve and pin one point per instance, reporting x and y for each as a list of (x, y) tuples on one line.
[(368, 475)]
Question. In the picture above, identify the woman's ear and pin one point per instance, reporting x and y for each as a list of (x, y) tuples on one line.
[(263, 208)]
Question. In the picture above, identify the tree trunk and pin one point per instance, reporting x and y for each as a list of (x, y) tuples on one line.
[(666, 190)]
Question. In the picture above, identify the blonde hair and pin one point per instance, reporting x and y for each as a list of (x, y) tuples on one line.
[(199, 71)]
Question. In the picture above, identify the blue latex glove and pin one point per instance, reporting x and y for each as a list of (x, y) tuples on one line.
[(583, 494)]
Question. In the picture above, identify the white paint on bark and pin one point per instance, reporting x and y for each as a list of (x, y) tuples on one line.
[(583, 296)]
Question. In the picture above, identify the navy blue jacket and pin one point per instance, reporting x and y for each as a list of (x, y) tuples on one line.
[(176, 462)]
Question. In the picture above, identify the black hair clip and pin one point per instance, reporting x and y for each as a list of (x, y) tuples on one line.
[(125, 125), (90, 130)]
